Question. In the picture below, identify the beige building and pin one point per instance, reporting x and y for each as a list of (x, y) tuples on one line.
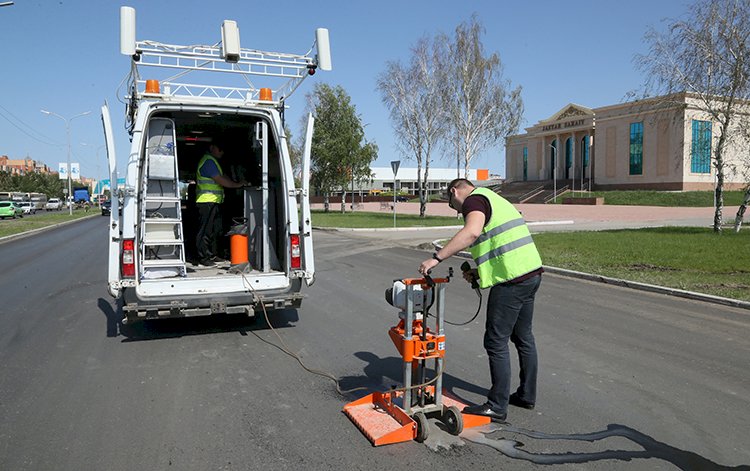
[(648, 144)]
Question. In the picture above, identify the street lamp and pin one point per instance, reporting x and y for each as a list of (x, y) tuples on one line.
[(554, 171), (67, 131)]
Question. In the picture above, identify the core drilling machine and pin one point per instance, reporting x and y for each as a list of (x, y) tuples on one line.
[(401, 414)]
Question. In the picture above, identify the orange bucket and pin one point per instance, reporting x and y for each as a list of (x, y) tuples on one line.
[(238, 249)]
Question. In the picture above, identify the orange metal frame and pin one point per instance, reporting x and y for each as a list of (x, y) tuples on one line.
[(376, 415)]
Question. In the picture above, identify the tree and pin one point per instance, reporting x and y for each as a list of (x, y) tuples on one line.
[(481, 106), (706, 56), (295, 154), (339, 150), (32, 182), (412, 95)]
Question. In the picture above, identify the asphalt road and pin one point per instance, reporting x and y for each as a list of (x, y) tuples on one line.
[(628, 380)]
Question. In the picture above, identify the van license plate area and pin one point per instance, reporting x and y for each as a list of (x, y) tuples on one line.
[(218, 308)]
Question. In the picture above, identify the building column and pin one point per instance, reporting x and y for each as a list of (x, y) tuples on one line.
[(560, 152)]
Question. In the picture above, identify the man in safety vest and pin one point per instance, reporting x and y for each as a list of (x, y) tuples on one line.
[(209, 194), (509, 264)]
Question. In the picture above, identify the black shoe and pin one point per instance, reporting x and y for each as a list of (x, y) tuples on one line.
[(514, 400), (207, 263), (218, 259), (487, 411)]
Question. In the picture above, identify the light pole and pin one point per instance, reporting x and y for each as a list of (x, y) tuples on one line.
[(67, 131), (554, 172), (394, 166)]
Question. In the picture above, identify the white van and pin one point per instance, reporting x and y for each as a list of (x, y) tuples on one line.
[(152, 237)]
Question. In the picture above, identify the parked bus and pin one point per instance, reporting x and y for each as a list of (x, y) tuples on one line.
[(38, 199), (19, 196)]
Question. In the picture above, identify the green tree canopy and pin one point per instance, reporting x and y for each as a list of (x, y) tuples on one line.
[(339, 152)]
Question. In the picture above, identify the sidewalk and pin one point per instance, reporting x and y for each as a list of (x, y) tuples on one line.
[(569, 217)]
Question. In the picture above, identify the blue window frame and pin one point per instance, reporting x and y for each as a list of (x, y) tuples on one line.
[(636, 148), (525, 163), (700, 154)]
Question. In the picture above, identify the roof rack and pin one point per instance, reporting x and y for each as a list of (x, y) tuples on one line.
[(225, 57)]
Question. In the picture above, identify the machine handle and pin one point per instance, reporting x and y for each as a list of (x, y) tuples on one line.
[(466, 267)]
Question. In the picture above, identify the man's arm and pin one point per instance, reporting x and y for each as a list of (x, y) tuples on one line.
[(463, 238), (227, 182)]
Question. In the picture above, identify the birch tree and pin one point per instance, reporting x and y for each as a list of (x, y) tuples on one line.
[(481, 105), (706, 56), (412, 95)]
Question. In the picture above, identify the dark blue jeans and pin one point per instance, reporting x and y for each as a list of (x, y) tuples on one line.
[(510, 310), (209, 230)]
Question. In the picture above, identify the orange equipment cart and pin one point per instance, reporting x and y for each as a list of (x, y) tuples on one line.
[(401, 414)]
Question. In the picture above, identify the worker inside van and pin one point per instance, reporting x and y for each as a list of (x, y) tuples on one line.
[(209, 195)]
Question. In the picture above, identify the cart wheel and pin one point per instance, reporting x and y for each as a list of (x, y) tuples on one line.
[(453, 420), (422, 427)]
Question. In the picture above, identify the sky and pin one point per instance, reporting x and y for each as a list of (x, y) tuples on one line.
[(63, 56)]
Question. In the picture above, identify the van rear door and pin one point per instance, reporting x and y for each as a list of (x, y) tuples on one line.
[(305, 229), (113, 274)]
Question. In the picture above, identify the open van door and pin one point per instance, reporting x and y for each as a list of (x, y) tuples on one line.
[(306, 219), (113, 274)]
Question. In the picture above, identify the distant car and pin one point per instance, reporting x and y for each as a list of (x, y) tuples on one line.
[(53, 204), (402, 199), (106, 208), (9, 209), (28, 207)]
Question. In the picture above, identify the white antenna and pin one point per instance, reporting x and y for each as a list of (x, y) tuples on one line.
[(230, 41), (127, 31), (324, 49)]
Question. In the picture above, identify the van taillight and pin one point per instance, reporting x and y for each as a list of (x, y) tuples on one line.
[(295, 251), (128, 257)]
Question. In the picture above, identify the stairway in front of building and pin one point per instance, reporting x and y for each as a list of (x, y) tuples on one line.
[(539, 191)]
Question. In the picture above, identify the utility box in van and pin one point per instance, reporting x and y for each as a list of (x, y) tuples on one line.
[(152, 238)]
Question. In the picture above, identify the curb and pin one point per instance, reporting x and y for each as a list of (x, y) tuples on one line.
[(632, 284), (21, 235)]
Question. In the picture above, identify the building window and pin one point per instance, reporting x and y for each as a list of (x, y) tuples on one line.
[(700, 155), (525, 163), (585, 151), (636, 148)]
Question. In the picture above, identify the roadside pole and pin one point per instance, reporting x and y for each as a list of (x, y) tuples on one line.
[(394, 166)]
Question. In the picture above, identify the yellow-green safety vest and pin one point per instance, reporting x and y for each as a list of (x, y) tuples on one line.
[(504, 250), (207, 190)]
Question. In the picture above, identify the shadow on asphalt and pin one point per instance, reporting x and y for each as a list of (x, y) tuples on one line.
[(180, 327), (379, 374), (682, 459), (382, 373)]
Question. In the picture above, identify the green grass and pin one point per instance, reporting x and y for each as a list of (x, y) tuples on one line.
[(661, 198), (41, 219), (359, 219), (694, 259)]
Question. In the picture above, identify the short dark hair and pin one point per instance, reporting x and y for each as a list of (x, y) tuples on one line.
[(218, 143), (458, 183)]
